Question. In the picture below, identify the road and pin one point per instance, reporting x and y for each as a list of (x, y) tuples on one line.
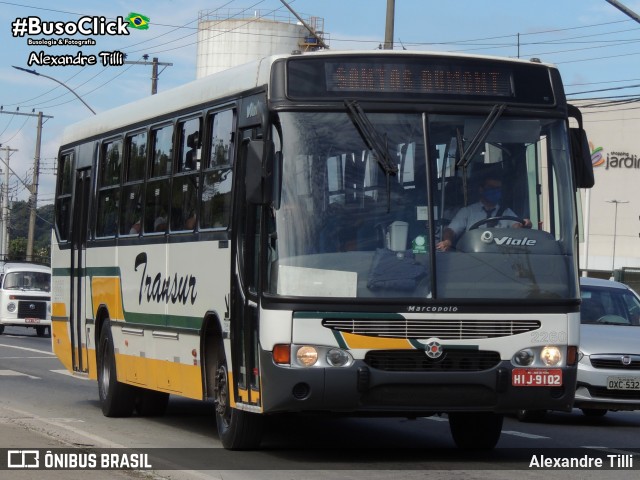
[(42, 406)]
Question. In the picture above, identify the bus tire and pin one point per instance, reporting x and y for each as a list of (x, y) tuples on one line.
[(237, 429), (150, 403), (475, 430), (116, 399)]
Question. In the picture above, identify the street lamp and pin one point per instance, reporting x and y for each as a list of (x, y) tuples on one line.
[(33, 72), (615, 224)]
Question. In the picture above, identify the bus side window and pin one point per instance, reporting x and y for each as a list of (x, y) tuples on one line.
[(109, 185), (184, 194), (134, 170), (215, 208), (157, 194)]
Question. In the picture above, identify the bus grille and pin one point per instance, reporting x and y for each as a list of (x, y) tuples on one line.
[(443, 329), (457, 360), (32, 309), (615, 362)]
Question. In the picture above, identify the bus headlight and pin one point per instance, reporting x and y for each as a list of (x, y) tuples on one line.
[(551, 356), (11, 307), (524, 358), (338, 358), (307, 356)]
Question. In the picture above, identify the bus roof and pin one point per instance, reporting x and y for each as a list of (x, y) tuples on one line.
[(219, 85)]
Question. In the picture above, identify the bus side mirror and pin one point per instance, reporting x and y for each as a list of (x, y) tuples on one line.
[(261, 172), (581, 156), (580, 151)]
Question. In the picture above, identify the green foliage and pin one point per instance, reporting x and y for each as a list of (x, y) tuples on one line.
[(19, 231)]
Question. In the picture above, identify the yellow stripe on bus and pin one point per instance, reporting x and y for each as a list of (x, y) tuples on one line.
[(107, 291), (365, 342), (61, 343), (58, 309), (161, 375)]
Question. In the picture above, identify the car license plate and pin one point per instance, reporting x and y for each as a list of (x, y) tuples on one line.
[(31, 320), (623, 383), (536, 377)]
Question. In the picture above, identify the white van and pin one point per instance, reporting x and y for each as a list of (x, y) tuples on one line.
[(25, 296)]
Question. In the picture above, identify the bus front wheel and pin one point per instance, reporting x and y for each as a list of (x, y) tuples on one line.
[(116, 399), (237, 429), (475, 430)]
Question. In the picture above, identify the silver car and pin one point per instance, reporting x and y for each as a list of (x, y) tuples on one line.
[(609, 367), (609, 355)]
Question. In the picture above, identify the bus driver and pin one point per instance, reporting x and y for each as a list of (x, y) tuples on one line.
[(488, 206)]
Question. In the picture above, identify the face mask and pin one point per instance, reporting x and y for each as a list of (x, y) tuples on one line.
[(492, 195)]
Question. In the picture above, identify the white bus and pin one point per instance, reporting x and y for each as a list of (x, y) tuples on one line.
[(265, 238), (25, 296)]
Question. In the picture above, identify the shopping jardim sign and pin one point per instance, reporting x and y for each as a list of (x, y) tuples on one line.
[(624, 160)]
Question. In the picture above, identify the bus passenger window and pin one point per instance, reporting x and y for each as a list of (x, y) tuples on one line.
[(162, 154), (189, 146), (156, 206), (215, 207), (109, 185), (184, 202)]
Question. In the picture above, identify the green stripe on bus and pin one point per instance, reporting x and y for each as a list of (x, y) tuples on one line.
[(385, 316), (162, 320)]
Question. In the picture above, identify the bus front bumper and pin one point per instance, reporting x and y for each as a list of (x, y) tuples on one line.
[(362, 389)]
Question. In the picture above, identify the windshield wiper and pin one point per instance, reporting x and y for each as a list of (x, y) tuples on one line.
[(371, 136), (480, 136)]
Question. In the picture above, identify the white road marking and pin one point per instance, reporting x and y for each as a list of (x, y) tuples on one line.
[(523, 434), (22, 358), (13, 373), (28, 349), (437, 419), (614, 450), (68, 373)]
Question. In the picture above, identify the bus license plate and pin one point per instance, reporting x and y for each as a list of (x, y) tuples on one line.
[(536, 377), (623, 383), (31, 320)]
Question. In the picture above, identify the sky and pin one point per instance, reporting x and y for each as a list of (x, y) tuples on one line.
[(595, 46)]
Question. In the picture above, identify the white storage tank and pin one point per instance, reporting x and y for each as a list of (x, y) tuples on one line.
[(232, 39)]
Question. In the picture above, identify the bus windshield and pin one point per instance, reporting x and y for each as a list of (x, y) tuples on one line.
[(352, 224)]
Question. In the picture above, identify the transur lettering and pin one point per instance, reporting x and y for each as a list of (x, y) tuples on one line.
[(164, 290)]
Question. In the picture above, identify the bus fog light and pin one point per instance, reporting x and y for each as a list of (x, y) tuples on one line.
[(551, 356), (307, 356), (524, 357), (11, 307), (337, 357)]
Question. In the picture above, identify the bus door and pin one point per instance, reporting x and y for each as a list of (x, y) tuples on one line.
[(244, 309), (77, 317)]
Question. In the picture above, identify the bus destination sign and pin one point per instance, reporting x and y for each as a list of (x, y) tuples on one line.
[(420, 78)]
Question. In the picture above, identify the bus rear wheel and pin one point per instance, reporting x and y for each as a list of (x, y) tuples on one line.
[(116, 399), (475, 430), (237, 429)]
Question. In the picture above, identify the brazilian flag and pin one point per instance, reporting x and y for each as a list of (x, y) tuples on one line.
[(138, 21)]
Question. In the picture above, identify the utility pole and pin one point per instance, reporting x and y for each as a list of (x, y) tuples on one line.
[(33, 188), (154, 70), (388, 32), (33, 198), (305, 25), (624, 9), (4, 239)]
